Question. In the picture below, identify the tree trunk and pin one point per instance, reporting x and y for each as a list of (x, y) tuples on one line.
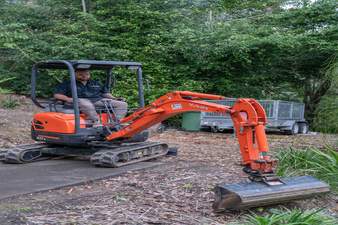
[(84, 6), (313, 93)]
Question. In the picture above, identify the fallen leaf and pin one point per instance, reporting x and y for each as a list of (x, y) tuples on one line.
[(70, 191)]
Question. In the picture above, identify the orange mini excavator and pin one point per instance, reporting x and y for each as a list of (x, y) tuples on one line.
[(64, 130)]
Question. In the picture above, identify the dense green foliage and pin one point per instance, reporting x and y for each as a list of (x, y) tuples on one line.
[(259, 49)]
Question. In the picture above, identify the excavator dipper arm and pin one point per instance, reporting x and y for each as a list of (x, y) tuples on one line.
[(248, 116)]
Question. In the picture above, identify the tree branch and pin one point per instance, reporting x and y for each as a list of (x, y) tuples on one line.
[(36, 62)]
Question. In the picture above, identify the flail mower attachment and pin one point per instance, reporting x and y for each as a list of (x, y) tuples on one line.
[(255, 194)]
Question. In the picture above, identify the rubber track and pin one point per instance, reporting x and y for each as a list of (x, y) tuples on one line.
[(106, 158), (12, 155)]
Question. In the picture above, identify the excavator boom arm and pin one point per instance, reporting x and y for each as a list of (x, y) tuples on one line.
[(248, 116)]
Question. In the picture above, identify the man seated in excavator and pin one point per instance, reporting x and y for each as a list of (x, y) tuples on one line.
[(89, 92)]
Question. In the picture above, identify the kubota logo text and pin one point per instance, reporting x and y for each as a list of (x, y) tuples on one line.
[(198, 106)]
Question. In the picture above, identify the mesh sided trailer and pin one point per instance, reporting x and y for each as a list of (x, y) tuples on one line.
[(282, 115)]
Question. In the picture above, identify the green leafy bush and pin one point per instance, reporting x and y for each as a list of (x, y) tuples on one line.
[(234, 49)]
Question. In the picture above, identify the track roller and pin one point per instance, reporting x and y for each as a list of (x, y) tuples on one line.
[(130, 154), (22, 154)]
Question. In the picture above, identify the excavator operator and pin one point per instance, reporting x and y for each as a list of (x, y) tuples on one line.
[(89, 92)]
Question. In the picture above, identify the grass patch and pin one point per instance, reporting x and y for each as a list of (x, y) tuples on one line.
[(187, 186), (24, 209), (122, 197), (319, 163), (286, 216), (9, 103)]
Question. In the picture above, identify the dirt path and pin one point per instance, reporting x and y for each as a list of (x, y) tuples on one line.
[(178, 192)]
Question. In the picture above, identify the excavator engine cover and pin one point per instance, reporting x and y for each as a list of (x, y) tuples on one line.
[(246, 195)]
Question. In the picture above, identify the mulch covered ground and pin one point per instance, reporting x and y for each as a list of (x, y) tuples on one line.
[(177, 192)]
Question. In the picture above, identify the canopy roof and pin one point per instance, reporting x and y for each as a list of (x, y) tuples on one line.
[(94, 64)]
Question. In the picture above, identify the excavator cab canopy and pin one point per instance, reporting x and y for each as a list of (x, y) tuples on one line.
[(87, 64), (72, 65)]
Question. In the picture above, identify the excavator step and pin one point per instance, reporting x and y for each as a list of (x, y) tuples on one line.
[(247, 195)]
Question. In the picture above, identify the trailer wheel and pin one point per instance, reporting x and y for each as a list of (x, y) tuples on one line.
[(294, 130), (214, 129), (303, 128)]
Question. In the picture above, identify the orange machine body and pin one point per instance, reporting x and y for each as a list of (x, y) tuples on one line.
[(60, 122)]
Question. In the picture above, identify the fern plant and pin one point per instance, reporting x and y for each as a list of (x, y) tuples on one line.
[(6, 91)]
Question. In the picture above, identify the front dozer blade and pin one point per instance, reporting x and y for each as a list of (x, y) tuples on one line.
[(255, 194)]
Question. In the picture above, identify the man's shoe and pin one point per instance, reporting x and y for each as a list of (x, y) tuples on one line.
[(123, 124), (97, 125)]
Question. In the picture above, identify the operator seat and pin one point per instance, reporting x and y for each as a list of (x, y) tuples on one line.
[(61, 106)]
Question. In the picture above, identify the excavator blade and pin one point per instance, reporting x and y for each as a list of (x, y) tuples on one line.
[(254, 194)]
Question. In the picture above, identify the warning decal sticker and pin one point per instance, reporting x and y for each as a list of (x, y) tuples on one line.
[(176, 106)]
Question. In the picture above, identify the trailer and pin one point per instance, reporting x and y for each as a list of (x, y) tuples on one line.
[(281, 115)]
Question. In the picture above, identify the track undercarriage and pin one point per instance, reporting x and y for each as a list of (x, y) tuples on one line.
[(102, 156)]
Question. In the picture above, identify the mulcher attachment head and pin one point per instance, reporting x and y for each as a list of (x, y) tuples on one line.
[(256, 194)]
